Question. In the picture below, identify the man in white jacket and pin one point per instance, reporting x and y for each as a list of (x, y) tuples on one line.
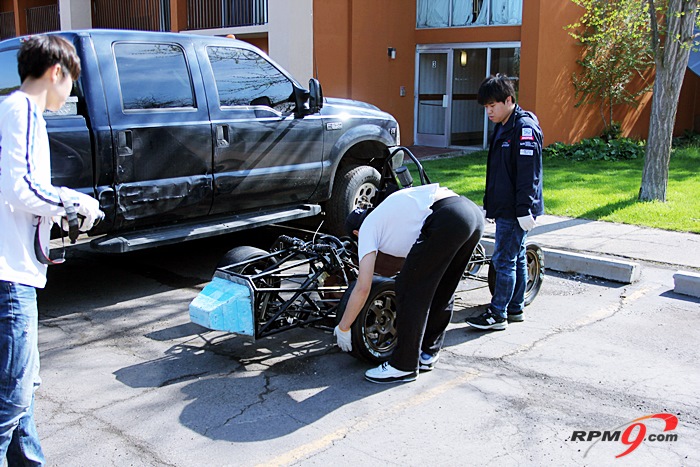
[(47, 65)]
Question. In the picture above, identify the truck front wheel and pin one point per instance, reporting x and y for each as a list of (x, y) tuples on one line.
[(355, 186)]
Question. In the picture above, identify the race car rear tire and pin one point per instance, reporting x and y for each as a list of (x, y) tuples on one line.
[(534, 257), (355, 186), (240, 254), (374, 330)]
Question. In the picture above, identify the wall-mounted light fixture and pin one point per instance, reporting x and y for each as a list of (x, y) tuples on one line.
[(391, 52), (463, 58)]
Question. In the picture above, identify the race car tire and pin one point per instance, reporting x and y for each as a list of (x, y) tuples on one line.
[(240, 254), (374, 330), (535, 272)]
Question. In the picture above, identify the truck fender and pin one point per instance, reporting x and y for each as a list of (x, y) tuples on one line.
[(360, 134)]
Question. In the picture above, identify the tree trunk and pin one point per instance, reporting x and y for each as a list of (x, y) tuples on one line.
[(671, 61)]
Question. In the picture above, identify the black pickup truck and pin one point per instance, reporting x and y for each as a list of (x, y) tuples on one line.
[(184, 136)]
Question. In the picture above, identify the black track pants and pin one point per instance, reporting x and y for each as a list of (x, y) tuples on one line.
[(427, 282)]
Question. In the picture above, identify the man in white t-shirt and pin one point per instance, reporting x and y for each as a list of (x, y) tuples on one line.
[(436, 231)]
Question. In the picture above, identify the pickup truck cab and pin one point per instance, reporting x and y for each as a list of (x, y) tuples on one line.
[(184, 136)]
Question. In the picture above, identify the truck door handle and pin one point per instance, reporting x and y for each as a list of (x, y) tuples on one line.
[(125, 143), (223, 136)]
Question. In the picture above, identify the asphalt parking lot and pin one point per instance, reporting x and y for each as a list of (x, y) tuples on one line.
[(128, 380)]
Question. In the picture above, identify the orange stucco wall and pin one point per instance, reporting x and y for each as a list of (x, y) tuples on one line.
[(351, 38)]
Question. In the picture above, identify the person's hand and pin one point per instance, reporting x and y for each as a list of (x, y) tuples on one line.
[(527, 222), (87, 208), (483, 213), (344, 339)]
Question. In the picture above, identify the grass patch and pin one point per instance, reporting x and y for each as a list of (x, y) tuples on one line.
[(597, 190)]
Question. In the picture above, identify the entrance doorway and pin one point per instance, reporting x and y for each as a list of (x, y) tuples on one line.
[(446, 111)]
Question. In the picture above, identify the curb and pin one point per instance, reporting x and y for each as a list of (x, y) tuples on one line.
[(615, 270), (687, 283)]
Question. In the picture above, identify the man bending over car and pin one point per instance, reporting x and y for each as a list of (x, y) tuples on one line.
[(436, 231)]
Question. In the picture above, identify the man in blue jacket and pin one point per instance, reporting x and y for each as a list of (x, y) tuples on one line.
[(513, 197)]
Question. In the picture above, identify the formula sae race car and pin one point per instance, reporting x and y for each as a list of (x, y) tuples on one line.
[(302, 283)]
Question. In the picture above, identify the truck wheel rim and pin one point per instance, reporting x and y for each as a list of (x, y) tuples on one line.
[(365, 195)]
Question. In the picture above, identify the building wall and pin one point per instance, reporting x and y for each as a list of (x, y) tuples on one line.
[(75, 14), (351, 41), (351, 38), (291, 36)]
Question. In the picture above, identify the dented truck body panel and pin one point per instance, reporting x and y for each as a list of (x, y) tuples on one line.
[(171, 129)]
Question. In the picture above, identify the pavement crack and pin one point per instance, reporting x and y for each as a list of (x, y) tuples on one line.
[(627, 297), (262, 397)]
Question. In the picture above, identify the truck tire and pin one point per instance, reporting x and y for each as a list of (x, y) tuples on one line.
[(355, 186), (374, 330), (534, 256)]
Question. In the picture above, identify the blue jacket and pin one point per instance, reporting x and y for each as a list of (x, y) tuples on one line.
[(514, 168)]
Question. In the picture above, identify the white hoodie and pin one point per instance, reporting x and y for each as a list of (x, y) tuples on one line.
[(26, 193)]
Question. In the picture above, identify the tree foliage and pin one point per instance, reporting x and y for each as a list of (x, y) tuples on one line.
[(614, 35)]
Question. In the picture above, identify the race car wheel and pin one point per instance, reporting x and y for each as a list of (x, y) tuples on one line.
[(374, 330), (476, 262), (245, 253), (355, 186), (240, 254), (535, 272)]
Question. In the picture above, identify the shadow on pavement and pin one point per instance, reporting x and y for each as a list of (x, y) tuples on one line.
[(243, 391)]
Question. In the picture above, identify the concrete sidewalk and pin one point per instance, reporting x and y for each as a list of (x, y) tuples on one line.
[(614, 251), (604, 249)]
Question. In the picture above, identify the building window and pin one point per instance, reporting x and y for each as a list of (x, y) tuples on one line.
[(141, 89), (460, 13)]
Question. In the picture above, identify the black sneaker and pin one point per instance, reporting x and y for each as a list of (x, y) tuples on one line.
[(518, 317), (426, 362), (488, 320)]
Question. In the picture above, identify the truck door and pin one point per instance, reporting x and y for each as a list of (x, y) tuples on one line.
[(161, 132), (263, 154)]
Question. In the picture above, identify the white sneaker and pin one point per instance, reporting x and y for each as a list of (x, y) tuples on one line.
[(386, 373), (427, 361)]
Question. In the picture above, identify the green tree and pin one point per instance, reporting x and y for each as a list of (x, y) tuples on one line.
[(614, 35), (672, 25)]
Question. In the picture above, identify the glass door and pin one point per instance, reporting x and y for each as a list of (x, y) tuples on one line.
[(469, 70), (432, 98)]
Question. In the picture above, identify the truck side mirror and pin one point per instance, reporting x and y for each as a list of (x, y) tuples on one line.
[(315, 96)]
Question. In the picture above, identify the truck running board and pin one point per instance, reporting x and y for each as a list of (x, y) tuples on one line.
[(137, 240)]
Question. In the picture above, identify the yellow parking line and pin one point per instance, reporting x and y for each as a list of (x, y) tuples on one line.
[(304, 451)]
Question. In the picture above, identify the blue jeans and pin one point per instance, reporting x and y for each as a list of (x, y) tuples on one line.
[(511, 268), (19, 375)]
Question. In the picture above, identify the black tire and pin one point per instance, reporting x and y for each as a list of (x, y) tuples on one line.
[(355, 186), (535, 272), (239, 254), (374, 330)]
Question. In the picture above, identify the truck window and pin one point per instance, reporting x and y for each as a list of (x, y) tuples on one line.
[(153, 76), (9, 77), (245, 78)]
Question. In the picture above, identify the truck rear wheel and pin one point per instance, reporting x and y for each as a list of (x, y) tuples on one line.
[(355, 186)]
